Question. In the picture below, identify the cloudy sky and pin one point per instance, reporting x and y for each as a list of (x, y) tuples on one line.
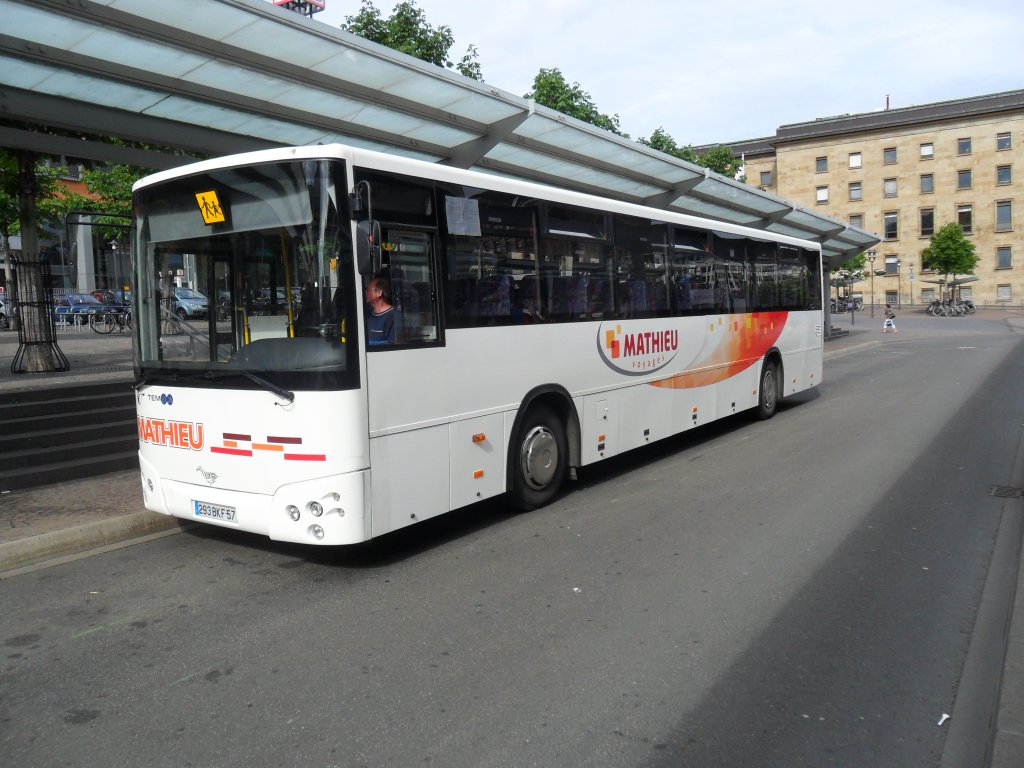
[(737, 69)]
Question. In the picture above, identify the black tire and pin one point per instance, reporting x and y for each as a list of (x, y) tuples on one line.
[(181, 313), (768, 391), (539, 459), (103, 323)]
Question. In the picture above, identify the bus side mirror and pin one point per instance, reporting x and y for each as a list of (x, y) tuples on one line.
[(368, 247)]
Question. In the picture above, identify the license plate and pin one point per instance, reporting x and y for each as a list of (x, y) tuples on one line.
[(214, 511)]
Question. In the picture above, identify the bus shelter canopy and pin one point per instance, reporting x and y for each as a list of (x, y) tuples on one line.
[(213, 77)]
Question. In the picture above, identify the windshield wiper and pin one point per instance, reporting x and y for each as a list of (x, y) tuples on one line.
[(284, 394)]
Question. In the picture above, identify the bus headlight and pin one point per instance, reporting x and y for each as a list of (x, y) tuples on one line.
[(315, 508), (293, 511), (316, 531)]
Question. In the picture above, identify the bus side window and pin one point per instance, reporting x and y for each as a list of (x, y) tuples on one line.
[(411, 272)]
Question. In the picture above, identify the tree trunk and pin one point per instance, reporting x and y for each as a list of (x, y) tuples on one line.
[(39, 357), (5, 250)]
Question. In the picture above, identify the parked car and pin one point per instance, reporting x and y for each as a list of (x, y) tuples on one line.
[(5, 313), (76, 307), (113, 297), (189, 303)]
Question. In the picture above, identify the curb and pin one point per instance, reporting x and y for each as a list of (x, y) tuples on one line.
[(82, 538)]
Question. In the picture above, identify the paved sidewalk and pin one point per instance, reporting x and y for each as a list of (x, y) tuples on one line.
[(74, 517)]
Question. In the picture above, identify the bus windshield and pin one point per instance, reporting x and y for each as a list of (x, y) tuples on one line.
[(247, 270)]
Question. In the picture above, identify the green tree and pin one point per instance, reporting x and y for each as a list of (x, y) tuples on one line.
[(719, 159), (551, 89), (110, 191), (408, 31), (26, 190), (949, 252)]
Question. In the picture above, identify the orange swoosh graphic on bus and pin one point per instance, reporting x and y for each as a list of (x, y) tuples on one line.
[(741, 341)]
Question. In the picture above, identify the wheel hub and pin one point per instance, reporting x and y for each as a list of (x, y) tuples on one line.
[(539, 458)]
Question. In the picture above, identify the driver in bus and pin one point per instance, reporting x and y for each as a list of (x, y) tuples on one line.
[(380, 322)]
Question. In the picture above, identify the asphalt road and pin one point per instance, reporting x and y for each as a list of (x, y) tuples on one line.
[(799, 592)]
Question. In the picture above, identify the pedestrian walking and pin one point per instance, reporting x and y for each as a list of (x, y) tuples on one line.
[(890, 320)]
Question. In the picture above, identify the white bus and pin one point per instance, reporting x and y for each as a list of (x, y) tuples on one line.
[(536, 330)]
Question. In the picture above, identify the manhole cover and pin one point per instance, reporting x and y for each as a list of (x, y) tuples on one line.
[(1006, 492)]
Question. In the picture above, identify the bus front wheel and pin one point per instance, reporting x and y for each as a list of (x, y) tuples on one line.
[(768, 391), (539, 462)]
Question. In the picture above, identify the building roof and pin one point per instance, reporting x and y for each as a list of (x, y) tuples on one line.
[(212, 77), (884, 119)]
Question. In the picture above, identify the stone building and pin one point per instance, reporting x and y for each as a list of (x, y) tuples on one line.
[(903, 174)]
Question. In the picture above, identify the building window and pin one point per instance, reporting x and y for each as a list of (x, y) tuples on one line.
[(1003, 141), (1004, 293), (889, 187), (967, 294), (1004, 257), (927, 183), (889, 155), (1004, 215), (766, 178), (927, 151), (856, 192), (1004, 174), (963, 179), (892, 230), (857, 220), (964, 217), (820, 164), (963, 146), (821, 195), (927, 222), (855, 160), (892, 265)]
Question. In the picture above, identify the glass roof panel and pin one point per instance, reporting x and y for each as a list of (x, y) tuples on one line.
[(78, 87), (712, 187), (368, 71), (440, 134), (245, 123), (211, 20), (131, 51), (318, 101), (244, 81), (433, 91), (533, 163), (304, 49), (42, 26), (19, 73), (783, 229), (702, 208), (483, 108), (555, 133), (390, 120)]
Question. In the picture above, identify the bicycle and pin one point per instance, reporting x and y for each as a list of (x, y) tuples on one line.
[(105, 322)]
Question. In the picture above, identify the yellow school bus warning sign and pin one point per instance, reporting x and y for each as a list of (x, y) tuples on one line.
[(209, 206)]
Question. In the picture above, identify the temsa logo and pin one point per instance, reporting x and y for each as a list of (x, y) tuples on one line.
[(175, 434), (637, 352)]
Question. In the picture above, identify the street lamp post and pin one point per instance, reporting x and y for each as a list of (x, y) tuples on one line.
[(871, 261), (899, 284)]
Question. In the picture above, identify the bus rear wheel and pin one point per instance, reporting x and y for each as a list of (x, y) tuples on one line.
[(539, 461), (768, 390)]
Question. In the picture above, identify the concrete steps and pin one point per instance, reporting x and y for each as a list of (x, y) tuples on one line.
[(51, 435)]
